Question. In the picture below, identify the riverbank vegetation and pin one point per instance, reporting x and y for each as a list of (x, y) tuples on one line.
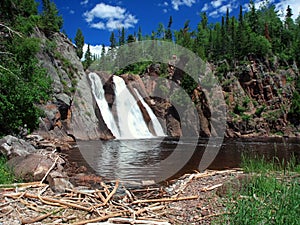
[(6, 174), (270, 194), (23, 82)]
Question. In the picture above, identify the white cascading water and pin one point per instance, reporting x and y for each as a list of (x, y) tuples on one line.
[(98, 92), (156, 124), (131, 122)]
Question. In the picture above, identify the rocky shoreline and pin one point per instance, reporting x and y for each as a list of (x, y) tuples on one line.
[(58, 192), (37, 159)]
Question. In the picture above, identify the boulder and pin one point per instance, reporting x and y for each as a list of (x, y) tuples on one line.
[(11, 147), (58, 181), (34, 167), (31, 167)]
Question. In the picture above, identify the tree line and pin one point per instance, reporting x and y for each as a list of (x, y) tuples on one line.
[(260, 31)]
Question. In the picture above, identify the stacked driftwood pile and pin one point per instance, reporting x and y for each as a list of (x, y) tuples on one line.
[(111, 203)]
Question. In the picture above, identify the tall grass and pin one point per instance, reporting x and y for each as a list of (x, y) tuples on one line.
[(270, 196)]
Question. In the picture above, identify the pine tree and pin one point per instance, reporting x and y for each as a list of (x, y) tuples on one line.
[(88, 59), (51, 21), (140, 35), (227, 21), (241, 36), (113, 41), (204, 20), (130, 38), (79, 42), (103, 51), (253, 17), (160, 34), (169, 35), (122, 37), (289, 22)]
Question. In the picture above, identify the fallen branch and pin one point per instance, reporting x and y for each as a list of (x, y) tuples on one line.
[(109, 196), (10, 30), (7, 213), (102, 218), (51, 168), (153, 207), (21, 185), (133, 221), (165, 199), (49, 201), (112, 193), (211, 188), (39, 218)]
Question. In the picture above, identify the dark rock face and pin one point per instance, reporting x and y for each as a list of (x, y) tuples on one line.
[(259, 100)]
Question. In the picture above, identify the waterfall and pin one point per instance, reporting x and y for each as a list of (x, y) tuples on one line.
[(131, 122), (156, 124), (107, 116)]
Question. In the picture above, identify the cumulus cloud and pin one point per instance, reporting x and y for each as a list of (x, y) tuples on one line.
[(94, 49), (177, 3), (99, 25), (216, 3), (205, 7), (104, 16), (218, 8)]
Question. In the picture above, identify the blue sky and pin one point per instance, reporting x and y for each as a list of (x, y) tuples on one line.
[(98, 18)]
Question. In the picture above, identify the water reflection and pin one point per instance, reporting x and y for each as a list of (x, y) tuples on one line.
[(162, 158)]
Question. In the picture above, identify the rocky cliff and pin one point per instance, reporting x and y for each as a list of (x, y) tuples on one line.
[(257, 93), (72, 110)]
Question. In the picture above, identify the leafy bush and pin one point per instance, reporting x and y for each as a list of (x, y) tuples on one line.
[(6, 173), (23, 84)]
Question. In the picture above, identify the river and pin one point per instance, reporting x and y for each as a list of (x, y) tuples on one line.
[(146, 161)]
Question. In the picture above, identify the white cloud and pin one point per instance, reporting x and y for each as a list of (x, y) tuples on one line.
[(219, 8), (224, 8), (84, 2), (294, 5), (94, 49), (205, 7), (72, 11), (177, 3), (216, 3), (111, 17), (98, 25), (281, 6), (214, 13), (166, 3)]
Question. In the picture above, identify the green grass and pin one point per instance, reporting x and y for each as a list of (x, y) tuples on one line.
[(6, 173), (270, 196)]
